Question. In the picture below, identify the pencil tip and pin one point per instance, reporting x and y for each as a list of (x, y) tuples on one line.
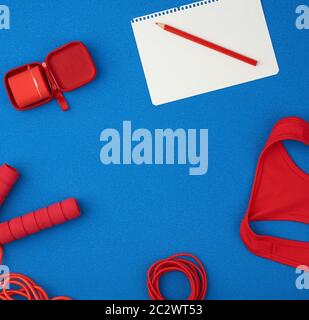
[(161, 25)]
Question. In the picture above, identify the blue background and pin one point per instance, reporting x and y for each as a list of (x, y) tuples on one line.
[(133, 216)]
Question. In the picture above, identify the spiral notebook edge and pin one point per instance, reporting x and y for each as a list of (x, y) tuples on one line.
[(173, 10)]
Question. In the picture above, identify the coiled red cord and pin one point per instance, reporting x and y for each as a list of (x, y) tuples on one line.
[(24, 287), (194, 271)]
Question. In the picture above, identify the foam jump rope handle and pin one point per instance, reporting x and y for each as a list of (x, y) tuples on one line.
[(8, 177), (39, 220)]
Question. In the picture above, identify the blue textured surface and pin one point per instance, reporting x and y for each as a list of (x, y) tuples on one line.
[(133, 215)]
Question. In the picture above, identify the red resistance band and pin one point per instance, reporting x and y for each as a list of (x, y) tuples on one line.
[(280, 193)]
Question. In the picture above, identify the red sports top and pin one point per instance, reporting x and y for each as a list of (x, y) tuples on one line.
[(280, 193)]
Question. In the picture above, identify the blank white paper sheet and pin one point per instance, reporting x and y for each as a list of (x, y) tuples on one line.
[(176, 68)]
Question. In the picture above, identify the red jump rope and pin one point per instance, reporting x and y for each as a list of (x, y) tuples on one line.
[(186, 263), (20, 286), (24, 226)]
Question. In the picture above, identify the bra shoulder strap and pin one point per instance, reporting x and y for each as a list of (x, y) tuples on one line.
[(291, 128)]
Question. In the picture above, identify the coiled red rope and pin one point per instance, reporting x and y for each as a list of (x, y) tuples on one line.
[(188, 264), (22, 287)]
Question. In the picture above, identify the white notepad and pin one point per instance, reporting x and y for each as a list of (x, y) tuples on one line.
[(176, 68)]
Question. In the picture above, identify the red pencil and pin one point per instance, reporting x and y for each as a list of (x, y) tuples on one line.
[(208, 44)]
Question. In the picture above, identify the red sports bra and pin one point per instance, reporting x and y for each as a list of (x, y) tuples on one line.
[(280, 193)]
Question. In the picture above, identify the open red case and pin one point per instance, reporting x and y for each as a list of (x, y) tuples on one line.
[(65, 69)]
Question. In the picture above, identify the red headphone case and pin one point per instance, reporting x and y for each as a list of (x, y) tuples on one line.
[(65, 69)]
